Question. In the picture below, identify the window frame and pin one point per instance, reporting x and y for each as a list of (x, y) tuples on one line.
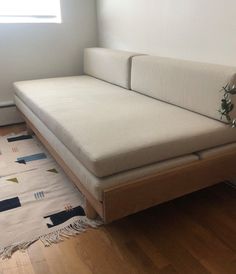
[(31, 19)]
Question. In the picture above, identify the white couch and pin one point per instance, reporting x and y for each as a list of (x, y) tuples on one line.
[(130, 116)]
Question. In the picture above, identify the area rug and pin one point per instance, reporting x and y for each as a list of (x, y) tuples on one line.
[(37, 200)]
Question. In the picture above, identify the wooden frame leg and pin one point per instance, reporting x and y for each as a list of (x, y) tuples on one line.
[(29, 130), (90, 211)]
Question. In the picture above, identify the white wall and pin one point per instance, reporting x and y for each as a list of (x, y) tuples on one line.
[(201, 30), (30, 51)]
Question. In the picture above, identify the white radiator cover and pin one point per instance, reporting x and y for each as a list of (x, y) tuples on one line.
[(9, 114)]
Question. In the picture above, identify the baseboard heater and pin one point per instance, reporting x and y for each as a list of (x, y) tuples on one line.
[(9, 114)]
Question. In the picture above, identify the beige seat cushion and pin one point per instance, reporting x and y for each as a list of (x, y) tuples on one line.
[(93, 184), (110, 129)]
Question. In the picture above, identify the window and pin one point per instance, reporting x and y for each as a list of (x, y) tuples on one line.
[(30, 11)]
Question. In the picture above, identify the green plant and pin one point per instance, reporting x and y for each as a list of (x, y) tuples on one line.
[(226, 104)]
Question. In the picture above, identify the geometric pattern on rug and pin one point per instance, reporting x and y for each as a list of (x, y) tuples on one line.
[(37, 200), (13, 180)]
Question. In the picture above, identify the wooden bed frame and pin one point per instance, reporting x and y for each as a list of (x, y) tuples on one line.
[(137, 195)]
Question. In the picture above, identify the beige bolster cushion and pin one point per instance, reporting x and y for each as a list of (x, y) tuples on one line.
[(109, 65), (191, 85)]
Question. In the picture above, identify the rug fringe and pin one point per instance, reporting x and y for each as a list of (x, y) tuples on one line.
[(76, 227)]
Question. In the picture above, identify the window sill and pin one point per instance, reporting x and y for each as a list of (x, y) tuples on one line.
[(29, 20)]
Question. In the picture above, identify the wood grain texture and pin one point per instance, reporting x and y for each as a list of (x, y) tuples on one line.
[(195, 234), (90, 211), (123, 199)]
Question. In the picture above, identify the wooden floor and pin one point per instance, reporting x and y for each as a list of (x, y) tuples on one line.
[(193, 234)]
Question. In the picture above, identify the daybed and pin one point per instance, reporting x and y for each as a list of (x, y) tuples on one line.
[(134, 130)]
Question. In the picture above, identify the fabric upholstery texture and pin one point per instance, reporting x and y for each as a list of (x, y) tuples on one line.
[(110, 129), (94, 184), (113, 66), (191, 85)]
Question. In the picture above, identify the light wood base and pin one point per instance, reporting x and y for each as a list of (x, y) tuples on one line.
[(90, 211), (146, 192), (29, 130), (134, 196)]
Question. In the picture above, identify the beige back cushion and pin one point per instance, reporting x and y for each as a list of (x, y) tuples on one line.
[(112, 66), (191, 85)]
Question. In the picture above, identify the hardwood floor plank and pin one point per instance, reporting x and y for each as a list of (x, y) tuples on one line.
[(51, 255), (37, 259), (171, 247), (98, 253), (200, 242), (73, 263), (205, 208), (125, 231), (152, 252), (141, 257), (168, 270)]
